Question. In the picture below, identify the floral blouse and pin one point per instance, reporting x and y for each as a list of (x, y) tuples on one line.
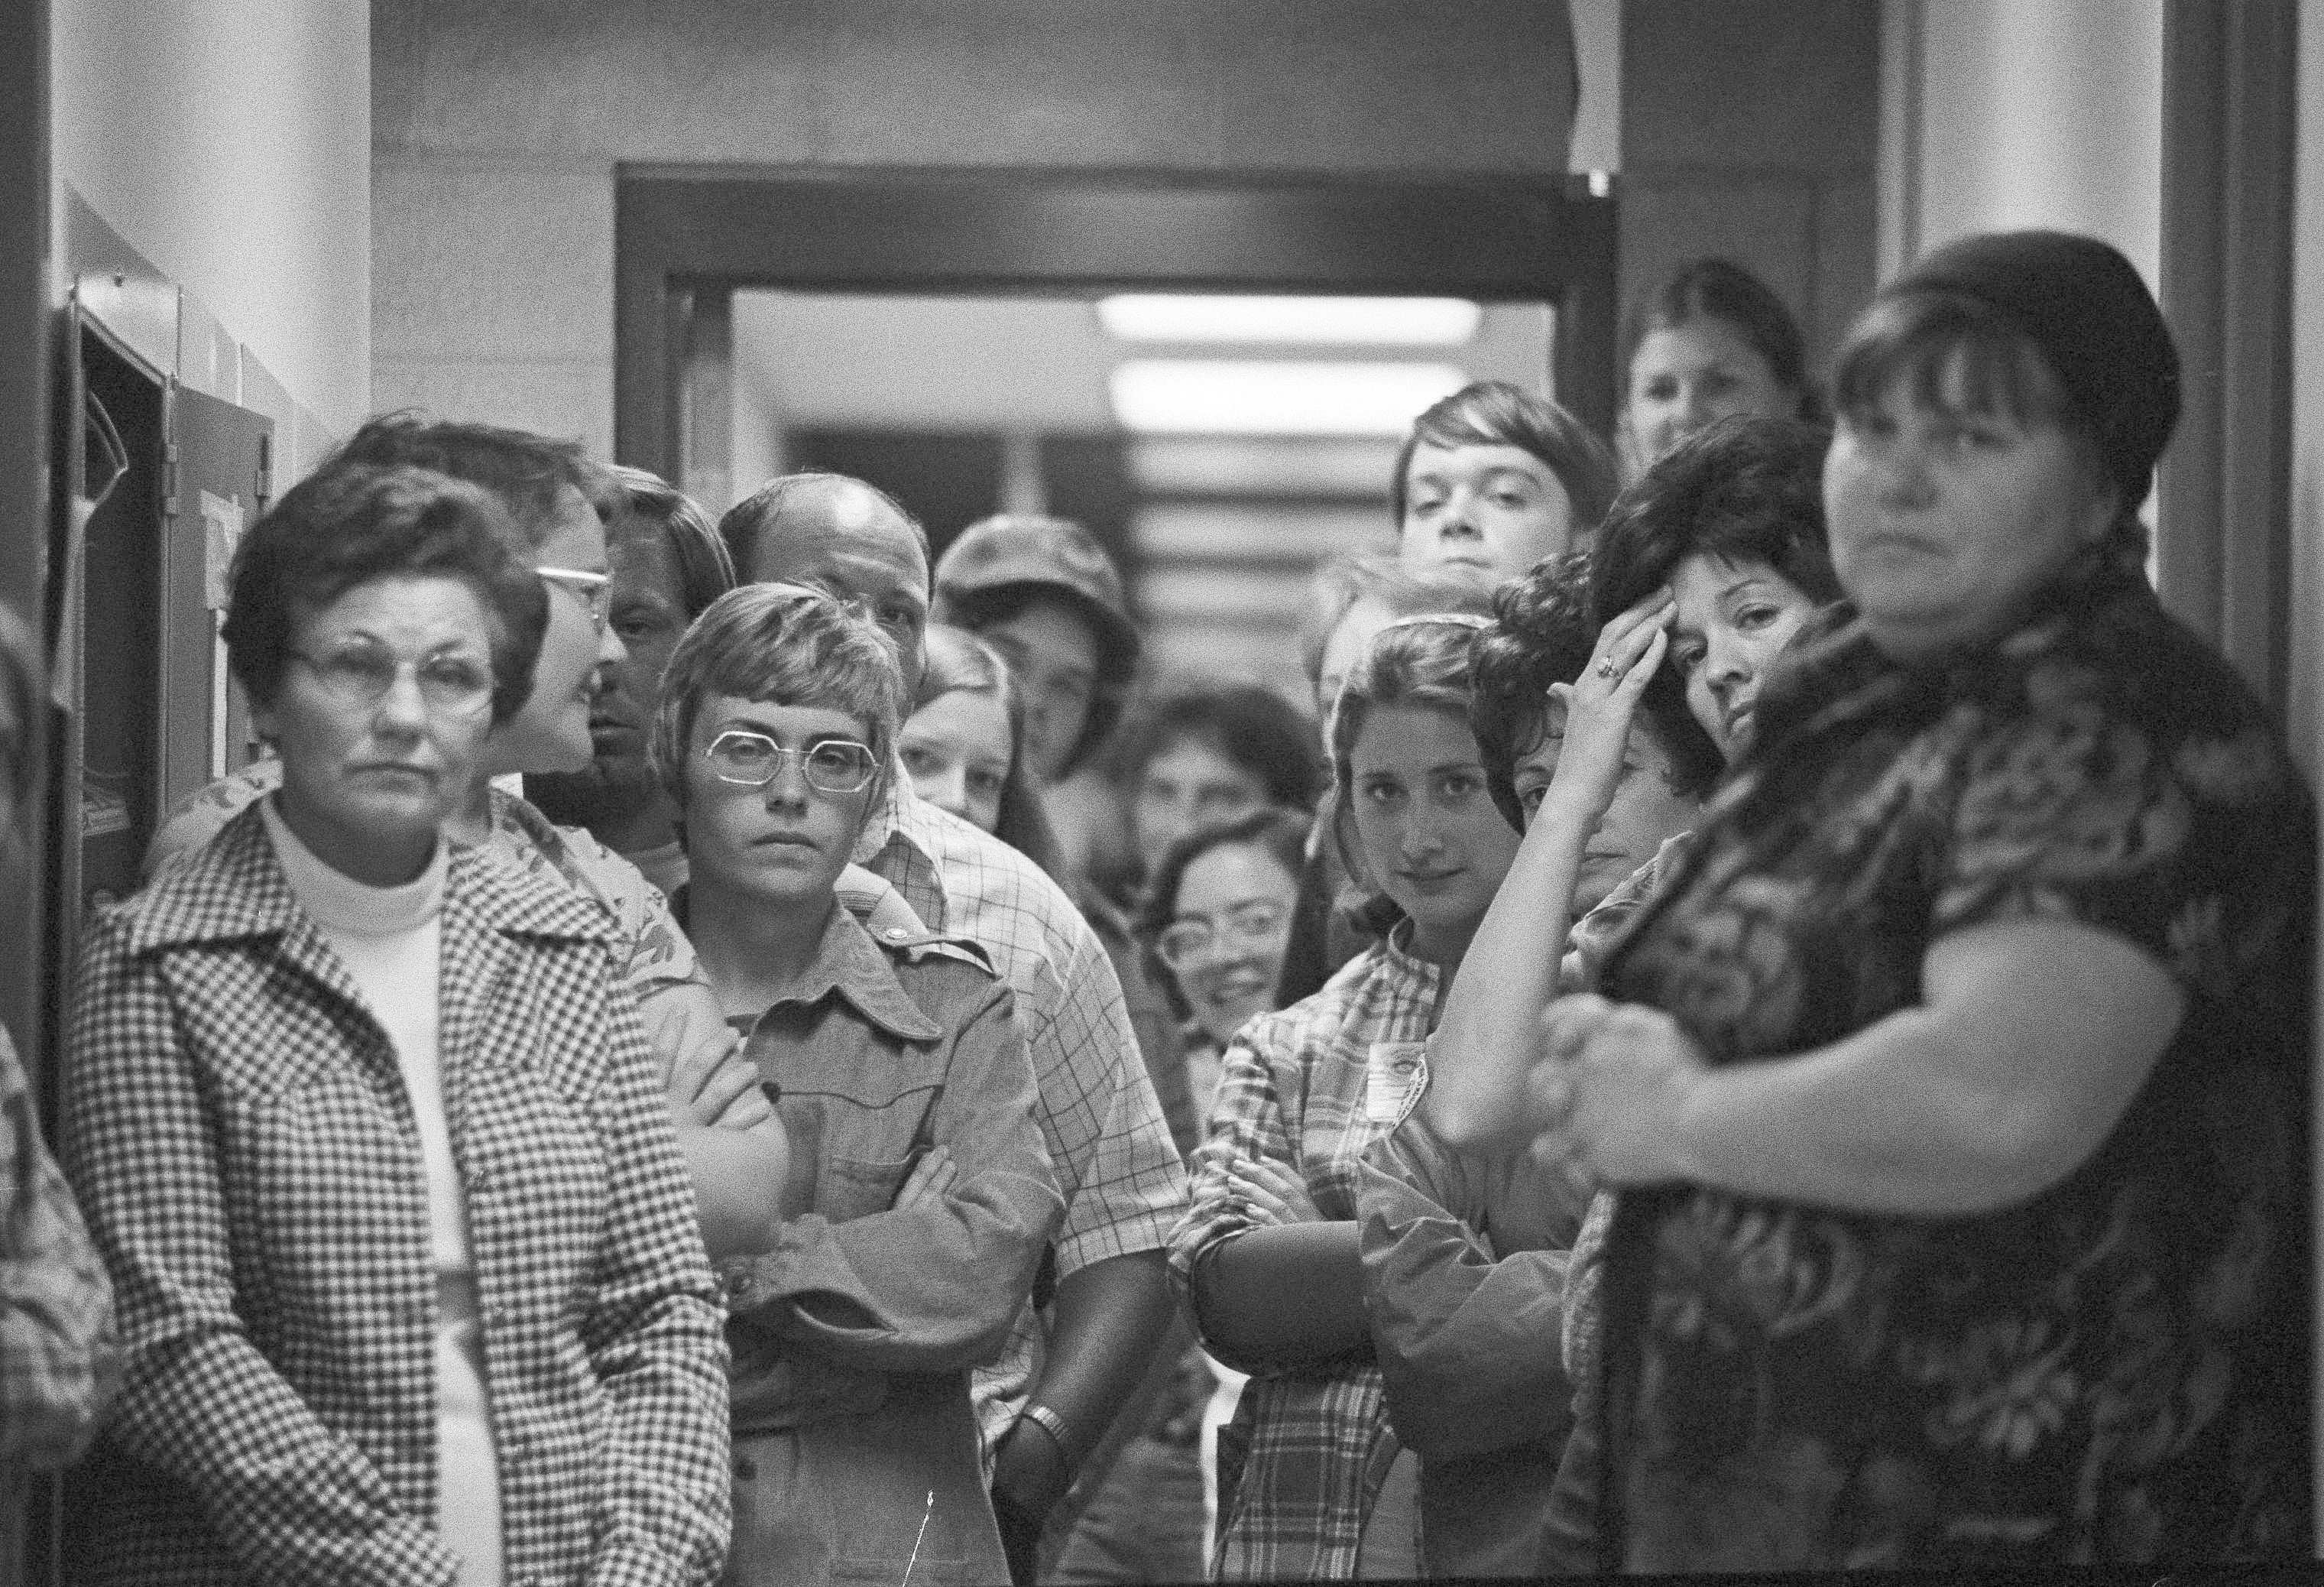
[(2115, 1371)]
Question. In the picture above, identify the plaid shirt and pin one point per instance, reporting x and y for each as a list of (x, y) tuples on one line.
[(1121, 1177), (1310, 1086), (56, 1355), (236, 1124)]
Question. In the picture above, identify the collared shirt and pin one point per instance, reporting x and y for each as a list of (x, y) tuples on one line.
[(1121, 1177), (234, 1125), (1312, 1087), (893, 1042)]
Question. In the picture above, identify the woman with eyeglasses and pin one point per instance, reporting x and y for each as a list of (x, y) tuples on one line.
[(409, 1275), (1214, 927), (920, 1194), (1268, 1255), (547, 489)]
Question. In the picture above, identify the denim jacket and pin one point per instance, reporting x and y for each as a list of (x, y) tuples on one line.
[(852, 1339)]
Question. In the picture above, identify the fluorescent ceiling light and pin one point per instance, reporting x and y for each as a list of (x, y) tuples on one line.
[(1219, 396), (1401, 322)]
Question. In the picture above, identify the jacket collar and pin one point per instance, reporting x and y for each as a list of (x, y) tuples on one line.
[(850, 965), (235, 888)]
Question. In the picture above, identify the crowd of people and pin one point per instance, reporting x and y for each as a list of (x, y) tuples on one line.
[(1762, 1023)]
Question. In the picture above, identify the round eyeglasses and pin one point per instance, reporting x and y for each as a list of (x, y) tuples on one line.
[(1256, 926), (829, 765), (361, 675), (594, 590)]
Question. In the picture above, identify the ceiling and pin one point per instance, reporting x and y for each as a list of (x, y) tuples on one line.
[(1022, 364)]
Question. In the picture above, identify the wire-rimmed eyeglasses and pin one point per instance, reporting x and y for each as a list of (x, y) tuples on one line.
[(361, 674), (1258, 924), (829, 765), (594, 590)]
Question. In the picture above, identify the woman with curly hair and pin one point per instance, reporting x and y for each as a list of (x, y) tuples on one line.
[(1955, 1086)]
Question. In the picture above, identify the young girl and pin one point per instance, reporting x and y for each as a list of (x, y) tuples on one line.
[(1267, 1254), (964, 747), (1712, 341), (919, 1196)]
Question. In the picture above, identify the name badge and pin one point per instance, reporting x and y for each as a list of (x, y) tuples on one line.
[(1394, 1078)]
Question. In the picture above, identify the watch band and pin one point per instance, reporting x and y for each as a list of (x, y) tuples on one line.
[(1054, 1424)]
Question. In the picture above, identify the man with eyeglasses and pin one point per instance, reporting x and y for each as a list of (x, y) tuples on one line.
[(1072, 1365)]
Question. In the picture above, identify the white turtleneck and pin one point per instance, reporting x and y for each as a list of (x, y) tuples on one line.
[(390, 940)]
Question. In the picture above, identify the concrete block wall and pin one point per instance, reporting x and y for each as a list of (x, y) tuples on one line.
[(1750, 129), (497, 128)]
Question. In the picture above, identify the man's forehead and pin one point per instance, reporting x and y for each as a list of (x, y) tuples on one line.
[(638, 552), (856, 538)]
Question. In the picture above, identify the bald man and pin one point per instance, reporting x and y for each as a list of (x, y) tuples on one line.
[(1046, 1403)]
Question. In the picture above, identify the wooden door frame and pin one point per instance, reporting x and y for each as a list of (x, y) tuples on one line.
[(681, 231), (2229, 126)]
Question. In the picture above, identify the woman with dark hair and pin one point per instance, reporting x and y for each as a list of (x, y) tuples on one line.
[(1212, 926), (1716, 554), (1269, 1254), (1494, 478), (1709, 564), (1729, 525), (407, 1263), (1210, 753), (1712, 341), (1956, 1085), (1351, 599), (1215, 921)]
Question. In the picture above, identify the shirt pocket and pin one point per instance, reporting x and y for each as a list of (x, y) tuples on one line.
[(855, 1187)]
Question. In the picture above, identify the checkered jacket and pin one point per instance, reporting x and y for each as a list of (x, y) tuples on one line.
[(1310, 1086), (1116, 1165), (237, 1127)]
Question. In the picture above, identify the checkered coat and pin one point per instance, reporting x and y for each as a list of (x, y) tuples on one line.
[(237, 1130)]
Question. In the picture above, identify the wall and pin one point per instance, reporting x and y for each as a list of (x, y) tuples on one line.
[(496, 129), (1750, 129), (2005, 114), (228, 141), (2305, 697)]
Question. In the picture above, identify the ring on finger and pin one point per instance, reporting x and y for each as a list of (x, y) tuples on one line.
[(1606, 668)]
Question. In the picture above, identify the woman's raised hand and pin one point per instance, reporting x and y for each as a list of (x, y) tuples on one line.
[(1600, 704), (1271, 1192)]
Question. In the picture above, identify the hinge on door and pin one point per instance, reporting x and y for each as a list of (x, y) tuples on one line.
[(169, 479)]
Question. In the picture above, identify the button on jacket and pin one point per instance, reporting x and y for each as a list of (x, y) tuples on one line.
[(238, 1131)]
